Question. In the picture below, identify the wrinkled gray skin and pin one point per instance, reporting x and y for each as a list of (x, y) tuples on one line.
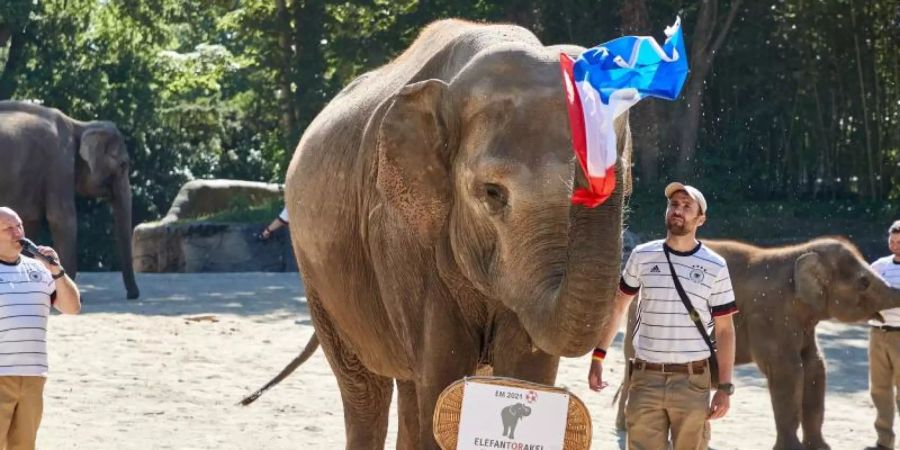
[(782, 293), (511, 415), (431, 217), (48, 157)]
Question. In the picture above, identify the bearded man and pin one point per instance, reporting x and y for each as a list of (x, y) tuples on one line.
[(669, 392)]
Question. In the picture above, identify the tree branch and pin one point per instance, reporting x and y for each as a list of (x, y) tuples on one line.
[(735, 6)]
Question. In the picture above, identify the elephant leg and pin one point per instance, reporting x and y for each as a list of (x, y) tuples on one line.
[(450, 352), (628, 349), (813, 412), (366, 396), (623, 400), (64, 228), (514, 355), (408, 412), (786, 391)]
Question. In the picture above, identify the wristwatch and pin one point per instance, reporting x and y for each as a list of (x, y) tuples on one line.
[(62, 273), (727, 388)]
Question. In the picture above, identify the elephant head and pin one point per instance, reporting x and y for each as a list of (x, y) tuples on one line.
[(481, 169), (835, 281), (103, 169), (519, 410)]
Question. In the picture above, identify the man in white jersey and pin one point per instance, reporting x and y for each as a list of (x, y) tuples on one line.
[(28, 288), (279, 221), (884, 349), (669, 393)]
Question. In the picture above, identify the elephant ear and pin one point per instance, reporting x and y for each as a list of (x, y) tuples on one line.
[(97, 142), (811, 280), (413, 156), (89, 148)]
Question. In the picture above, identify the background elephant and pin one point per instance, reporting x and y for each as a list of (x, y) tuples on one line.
[(47, 158), (430, 212), (782, 293), (511, 416)]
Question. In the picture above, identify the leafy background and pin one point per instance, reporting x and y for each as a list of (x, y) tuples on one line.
[(796, 103)]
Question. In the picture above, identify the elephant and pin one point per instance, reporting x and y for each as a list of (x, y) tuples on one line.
[(48, 158), (782, 293), (511, 416), (431, 214)]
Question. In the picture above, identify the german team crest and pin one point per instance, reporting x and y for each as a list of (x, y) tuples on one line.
[(697, 274), (34, 275)]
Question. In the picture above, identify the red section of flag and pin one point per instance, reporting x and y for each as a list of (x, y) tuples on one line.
[(599, 187)]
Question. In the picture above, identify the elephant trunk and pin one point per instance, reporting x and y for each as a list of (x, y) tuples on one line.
[(121, 206), (887, 296), (571, 307)]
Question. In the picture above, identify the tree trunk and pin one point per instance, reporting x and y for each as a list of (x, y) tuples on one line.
[(644, 116), (14, 61), (702, 54), (870, 158), (285, 75), (308, 33)]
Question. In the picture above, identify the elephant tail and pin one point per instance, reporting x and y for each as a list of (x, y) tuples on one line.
[(618, 393), (308, 351)]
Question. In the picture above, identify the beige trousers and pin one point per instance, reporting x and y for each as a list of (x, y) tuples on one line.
[(21, 407), (884, 381), (660, 403)]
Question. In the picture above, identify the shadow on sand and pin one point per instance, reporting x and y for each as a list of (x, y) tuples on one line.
[(177, 294)]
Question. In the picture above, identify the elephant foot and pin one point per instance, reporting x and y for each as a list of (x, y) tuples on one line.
[(132, 295), (791, 445), (816, 444)]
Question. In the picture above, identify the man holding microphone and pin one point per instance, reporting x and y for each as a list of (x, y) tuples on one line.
[(28, 288)]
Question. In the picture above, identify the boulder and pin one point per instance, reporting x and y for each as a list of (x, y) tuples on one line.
[(185, 241)]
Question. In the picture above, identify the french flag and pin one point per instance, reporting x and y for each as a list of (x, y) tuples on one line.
[(602, 84)]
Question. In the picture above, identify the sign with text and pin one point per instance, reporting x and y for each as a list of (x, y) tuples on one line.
[(495, 416)]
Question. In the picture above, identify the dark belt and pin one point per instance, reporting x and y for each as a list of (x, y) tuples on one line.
[(886, 328), (691, 367)]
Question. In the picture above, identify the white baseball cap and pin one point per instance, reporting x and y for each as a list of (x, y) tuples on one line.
[(691, 191)]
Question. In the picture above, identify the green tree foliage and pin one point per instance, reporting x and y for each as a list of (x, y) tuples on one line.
[(802, 100)]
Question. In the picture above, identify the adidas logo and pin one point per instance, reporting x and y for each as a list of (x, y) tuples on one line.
[(655, 269)]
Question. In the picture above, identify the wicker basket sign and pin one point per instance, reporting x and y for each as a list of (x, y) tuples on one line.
[(480, 413)]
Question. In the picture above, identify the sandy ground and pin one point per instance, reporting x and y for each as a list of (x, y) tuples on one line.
[(153, 374)]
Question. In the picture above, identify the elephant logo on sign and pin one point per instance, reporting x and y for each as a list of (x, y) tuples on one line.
[(511, 415)]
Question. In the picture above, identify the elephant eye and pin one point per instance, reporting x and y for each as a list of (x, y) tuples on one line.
[(863, 283), (495, 197)]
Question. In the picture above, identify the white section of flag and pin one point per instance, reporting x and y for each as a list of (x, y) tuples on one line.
[(600, 134)]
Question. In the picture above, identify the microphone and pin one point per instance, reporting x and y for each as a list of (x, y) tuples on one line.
[(28, 246)]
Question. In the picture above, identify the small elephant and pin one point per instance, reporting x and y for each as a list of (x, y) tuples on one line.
[(511, 415), (782, 293), (48, 157)]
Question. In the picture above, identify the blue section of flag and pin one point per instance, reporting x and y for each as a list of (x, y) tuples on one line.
[(636, 62)]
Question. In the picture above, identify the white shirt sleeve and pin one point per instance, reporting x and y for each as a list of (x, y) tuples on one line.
[(631, 275), (721, 298)]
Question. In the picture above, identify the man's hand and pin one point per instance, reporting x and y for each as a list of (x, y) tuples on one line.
[(50, 253), (265, 234), (719, 405), (595, 376)]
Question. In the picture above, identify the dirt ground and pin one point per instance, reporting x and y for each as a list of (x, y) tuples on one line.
[(166, 371)]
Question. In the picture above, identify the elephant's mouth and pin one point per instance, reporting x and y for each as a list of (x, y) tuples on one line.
[(877, 316)]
